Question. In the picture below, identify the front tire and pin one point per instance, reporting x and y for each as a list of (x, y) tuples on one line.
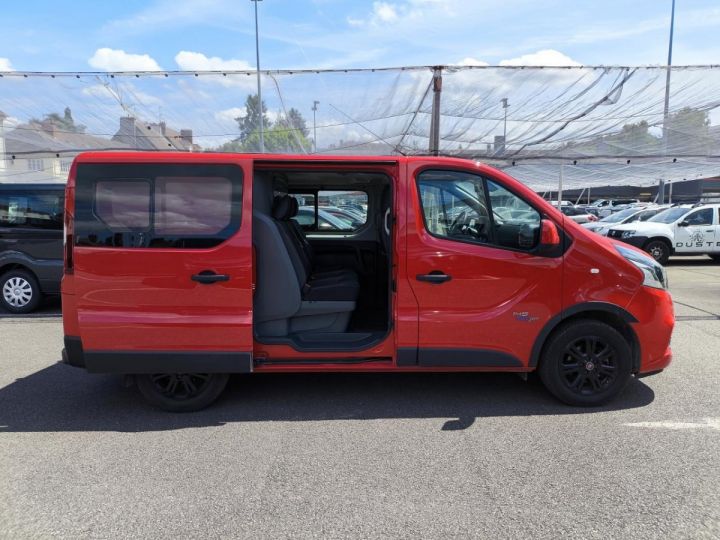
[(659, 251), (586, 363), (181, 392), (19, 291)]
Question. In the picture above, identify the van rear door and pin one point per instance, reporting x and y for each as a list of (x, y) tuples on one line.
[(163, 264)]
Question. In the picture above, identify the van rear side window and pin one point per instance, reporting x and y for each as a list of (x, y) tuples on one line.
[(156, 206)]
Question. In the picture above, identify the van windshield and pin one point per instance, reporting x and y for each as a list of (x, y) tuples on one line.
[(669, 215)]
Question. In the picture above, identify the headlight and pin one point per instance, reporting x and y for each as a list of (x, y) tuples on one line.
[(654, 275), (627, 234)]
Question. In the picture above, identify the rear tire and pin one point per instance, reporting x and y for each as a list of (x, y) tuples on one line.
[(19, 291), (181, 392), (658, 250), (586, 363)]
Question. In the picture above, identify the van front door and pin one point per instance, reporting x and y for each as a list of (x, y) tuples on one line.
[(483, 295), (163, 264)]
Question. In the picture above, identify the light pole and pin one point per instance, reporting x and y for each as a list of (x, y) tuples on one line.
[(666, 111), (505, 108), (259, 88), (314, 110)]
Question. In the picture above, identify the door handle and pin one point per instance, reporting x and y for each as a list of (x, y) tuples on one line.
[(436, 276), (207, 277)]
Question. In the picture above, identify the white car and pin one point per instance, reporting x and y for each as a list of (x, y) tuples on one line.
[(629, 215), (680, 230), (604, 207)]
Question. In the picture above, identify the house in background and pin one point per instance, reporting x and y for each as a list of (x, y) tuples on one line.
[(154, 136), (42, 151)]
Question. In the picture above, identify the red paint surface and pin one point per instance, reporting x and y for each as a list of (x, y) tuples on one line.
[(143, 299)]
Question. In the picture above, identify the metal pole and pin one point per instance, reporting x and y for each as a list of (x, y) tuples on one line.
[(314, 110), (259, 88), (560, 186), (505, 108), (666, 110), (435, 118)]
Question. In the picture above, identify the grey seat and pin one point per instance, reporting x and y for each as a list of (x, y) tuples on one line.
[(308, 253), (285, 301)]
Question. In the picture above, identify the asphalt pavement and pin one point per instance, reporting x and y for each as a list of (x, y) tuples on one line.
[(340, 456)]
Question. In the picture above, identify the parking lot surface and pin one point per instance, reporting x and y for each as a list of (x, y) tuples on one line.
[(407, 455)]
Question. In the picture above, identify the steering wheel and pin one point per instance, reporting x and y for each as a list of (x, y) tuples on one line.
[(466, 225), (458, 223)]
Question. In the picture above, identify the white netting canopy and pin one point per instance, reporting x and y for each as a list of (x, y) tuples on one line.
[(599, 125)]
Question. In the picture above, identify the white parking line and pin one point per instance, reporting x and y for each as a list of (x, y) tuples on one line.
[(707, 423)]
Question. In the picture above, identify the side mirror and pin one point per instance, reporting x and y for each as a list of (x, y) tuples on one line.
[(683, 223), (549, 235)]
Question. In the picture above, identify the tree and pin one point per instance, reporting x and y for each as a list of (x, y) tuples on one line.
[(66, 122), (288, 134), (250, 123), (688, 132)]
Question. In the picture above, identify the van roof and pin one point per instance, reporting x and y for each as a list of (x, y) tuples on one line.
[(134, 156)]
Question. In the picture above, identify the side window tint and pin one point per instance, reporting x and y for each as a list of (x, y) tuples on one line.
[(35, 210), (191, 206), (337, 211), (454, 205), (123, 205), (157, 205), (701, 217), (516, 223)]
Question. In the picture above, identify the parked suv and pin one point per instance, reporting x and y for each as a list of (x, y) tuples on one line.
[(181, 268), (31, 226), (629, 215), (680, 230)]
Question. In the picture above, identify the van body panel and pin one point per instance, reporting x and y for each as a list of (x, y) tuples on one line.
[(141, 303), (496, 301), (144, 299)]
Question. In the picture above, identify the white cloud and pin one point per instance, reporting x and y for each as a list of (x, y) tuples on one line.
[(384, 12), (545, 57), (5, 65), (119, 60), (470, 61), (355, 22), (195, 61), (228, 116)]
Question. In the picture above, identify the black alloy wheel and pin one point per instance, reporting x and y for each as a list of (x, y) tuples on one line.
[(659, 251), (181, 392), (586, 363)]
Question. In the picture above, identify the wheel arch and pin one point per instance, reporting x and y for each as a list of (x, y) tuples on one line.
[(7, 267), (663, 239), (610, 314)]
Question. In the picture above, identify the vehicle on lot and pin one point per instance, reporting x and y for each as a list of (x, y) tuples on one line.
[(604, 207), (629, 215), (31, 252), (182, 268), (578, 215), (680, 230)]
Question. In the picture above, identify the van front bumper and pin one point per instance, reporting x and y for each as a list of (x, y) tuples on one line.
[(653, 309)]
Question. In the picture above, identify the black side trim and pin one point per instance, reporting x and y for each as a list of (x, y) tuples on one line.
[(407, 356), (584, 307), (315, 361), (466, 358), (168, 362), (73, 354)]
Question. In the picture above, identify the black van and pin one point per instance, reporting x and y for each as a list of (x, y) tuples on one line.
[(31, 244)]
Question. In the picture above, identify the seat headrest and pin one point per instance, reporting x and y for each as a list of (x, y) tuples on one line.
[(282, 207), (295, 207)]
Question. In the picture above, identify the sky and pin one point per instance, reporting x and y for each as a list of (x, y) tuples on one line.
[(82, 35)]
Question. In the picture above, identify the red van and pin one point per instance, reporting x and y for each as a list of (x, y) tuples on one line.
[(181, 269)]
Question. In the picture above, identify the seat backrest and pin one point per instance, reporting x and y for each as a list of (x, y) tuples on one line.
[(277, 291), (282, 210), (299, 233)]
